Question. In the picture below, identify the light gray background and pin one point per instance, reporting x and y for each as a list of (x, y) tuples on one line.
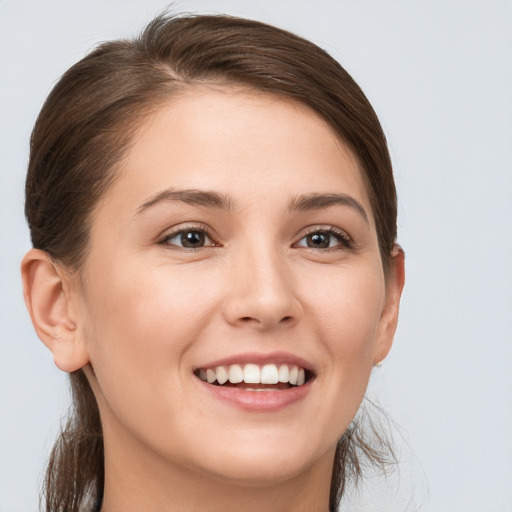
[(439, 74)]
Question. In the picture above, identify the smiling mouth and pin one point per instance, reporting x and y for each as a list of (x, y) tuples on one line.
[(254, 377)]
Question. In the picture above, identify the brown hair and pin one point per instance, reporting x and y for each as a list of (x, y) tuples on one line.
[(85, 128)]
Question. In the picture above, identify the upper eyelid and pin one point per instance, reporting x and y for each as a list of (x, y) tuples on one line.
[(183, 226), (326, 228)]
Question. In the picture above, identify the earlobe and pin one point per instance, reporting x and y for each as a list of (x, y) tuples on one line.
[(47, 296), (395, 280)]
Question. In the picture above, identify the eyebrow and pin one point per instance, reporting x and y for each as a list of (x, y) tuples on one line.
[(193, 197), (214, 200), (323, 201)]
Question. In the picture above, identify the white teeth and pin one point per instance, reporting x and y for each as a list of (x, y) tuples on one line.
[(269, 374), (236, 374), (222, 374), (284, 373), (210, 376), (294, 373), (252, 374)]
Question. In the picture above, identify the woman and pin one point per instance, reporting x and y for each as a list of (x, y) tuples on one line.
[(213, 216)]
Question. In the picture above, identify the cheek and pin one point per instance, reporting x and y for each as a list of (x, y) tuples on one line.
[(347, 306), (345, 314), (143, 322)]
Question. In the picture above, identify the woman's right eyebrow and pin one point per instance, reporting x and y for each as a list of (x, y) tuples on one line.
[(205, 198)]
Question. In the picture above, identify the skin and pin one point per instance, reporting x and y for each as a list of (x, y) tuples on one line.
[(146, 312)]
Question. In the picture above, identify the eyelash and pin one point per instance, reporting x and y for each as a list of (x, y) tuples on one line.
[(345, 241), (343, 238), (201, 228)]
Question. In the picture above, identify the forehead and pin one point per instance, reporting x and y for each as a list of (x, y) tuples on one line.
[(244, 143)]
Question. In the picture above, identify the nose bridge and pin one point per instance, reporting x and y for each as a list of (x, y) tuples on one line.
[(263, 292)]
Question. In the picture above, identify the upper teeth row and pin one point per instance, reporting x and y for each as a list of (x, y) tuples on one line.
[(254, 374)]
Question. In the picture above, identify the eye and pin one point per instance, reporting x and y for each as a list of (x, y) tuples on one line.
[(325, 239), (191, 238)]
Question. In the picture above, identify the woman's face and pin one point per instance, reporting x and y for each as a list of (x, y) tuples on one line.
[(238, 241)]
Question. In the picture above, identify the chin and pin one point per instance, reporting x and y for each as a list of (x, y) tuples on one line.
[(265, 461)]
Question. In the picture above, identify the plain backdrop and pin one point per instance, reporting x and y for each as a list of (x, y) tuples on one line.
[(439, 74)]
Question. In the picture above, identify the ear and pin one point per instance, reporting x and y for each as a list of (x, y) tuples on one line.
[(48, 297), (395, 279)]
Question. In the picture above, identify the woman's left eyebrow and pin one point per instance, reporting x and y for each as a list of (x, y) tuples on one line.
[(317, 201)]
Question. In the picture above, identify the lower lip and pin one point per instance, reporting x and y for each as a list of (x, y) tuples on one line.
[(258, 401)]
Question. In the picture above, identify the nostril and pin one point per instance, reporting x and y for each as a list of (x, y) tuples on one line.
[(247, 319), (287, 319)]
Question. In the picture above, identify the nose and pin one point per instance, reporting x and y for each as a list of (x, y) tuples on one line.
[(261, 293)]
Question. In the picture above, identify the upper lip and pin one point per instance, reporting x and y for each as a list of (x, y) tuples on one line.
[(260, 359)]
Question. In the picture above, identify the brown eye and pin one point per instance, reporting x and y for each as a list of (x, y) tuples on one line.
[(192, 239), (318, 240), (188, 239), (325, 239)]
